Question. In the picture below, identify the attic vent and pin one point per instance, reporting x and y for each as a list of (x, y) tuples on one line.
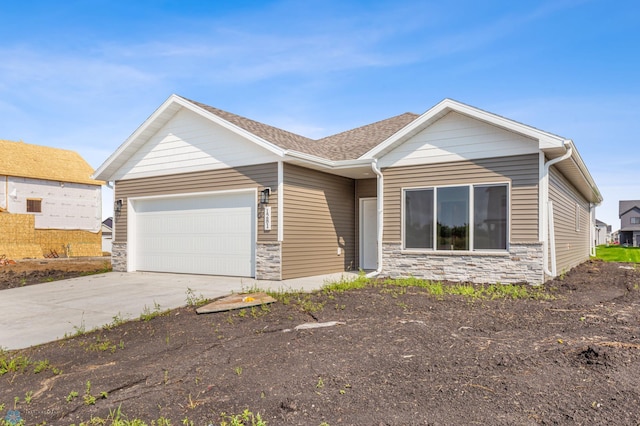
[(34, 205)]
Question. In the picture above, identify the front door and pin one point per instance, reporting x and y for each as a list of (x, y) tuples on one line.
[(368, 233)]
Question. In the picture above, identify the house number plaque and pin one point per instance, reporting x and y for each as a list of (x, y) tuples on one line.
[(267, 218)]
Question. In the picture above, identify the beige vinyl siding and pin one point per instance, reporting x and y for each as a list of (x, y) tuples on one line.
[(365, 188), (259, 176), (572, 247), (318, 219), (521, 171)]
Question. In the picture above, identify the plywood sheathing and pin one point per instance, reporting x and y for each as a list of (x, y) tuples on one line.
[(43, 162), (19, 239)]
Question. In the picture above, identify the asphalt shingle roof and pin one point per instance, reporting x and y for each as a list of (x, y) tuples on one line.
[(347, 145)]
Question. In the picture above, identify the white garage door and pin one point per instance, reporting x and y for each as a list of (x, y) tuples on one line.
[(212, 234)]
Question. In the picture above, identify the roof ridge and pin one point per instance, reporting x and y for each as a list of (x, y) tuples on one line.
[(375, 123)]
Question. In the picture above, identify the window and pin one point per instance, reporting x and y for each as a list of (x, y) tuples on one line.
[(456, 218), (419, 218), (635, 220), (453, 218), (490, 217), (34, 205)]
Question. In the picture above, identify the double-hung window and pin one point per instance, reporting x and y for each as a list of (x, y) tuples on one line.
[(466, 217)]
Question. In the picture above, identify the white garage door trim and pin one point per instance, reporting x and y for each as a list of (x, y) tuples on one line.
[(199, 233)]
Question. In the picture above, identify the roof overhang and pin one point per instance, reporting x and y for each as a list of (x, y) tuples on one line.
[(354, 169), (552, 145), (156, 121)]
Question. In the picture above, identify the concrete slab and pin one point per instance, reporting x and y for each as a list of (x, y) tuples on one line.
[(46, 312)]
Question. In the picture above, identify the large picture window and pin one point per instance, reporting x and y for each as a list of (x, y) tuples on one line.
[(469, 217)]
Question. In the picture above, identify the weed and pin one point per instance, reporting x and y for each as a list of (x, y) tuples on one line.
[(166, 376), (319, 383), (193, 403), (147, 314), (72, 395), (403, 305), (102, 344), (27, 397), (41, 366), (242, 313), (12, 364), (238, 371), (117, 320), (195, 301), (87, 397), (246, 418)]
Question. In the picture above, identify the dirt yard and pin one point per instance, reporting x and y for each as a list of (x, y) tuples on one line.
[(398, 356), (38, 271)]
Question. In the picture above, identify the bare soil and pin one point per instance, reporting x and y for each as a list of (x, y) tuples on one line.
[(401, 357), (37, 271)]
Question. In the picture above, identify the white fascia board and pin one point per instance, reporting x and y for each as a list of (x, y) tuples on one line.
[(165, 112), (329, 164), (597, 195), (545, 139), (118, 153)]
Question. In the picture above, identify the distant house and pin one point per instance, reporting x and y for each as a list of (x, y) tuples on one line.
[(456, 193), (49, 203), (629, 222), (602, 233), (107, 234)]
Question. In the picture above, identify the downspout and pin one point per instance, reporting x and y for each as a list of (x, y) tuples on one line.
[(380, 217), (592, 231), (549, 242)]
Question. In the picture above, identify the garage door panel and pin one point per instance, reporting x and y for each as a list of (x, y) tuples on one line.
[(204, 235)]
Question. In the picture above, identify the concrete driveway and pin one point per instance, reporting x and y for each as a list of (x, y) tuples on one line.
[(43, 313)]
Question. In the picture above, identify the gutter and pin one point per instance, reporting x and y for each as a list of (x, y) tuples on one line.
[(549, 241), (380, 217)]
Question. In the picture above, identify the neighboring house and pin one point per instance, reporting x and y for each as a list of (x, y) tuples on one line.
[(602, 233), (49, 202), (456, 193), (629, 213), (107, 234)]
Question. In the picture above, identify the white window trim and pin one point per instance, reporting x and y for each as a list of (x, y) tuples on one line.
[(434, 250)]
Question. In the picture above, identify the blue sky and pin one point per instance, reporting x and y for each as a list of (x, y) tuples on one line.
[(83, 75)]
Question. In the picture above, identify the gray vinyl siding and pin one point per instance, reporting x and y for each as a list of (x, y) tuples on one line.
[(520, 171), (318, 219), (248, 177), (572, 247), (365, 188)]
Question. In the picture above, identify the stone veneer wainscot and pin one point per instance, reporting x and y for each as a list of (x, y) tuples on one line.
[(521, 264), (268, 261)]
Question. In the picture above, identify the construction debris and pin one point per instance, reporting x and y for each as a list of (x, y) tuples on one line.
[(4, 261), (236, 301)]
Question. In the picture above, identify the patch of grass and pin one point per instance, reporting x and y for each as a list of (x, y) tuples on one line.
[(617, 253), (345, 284)]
